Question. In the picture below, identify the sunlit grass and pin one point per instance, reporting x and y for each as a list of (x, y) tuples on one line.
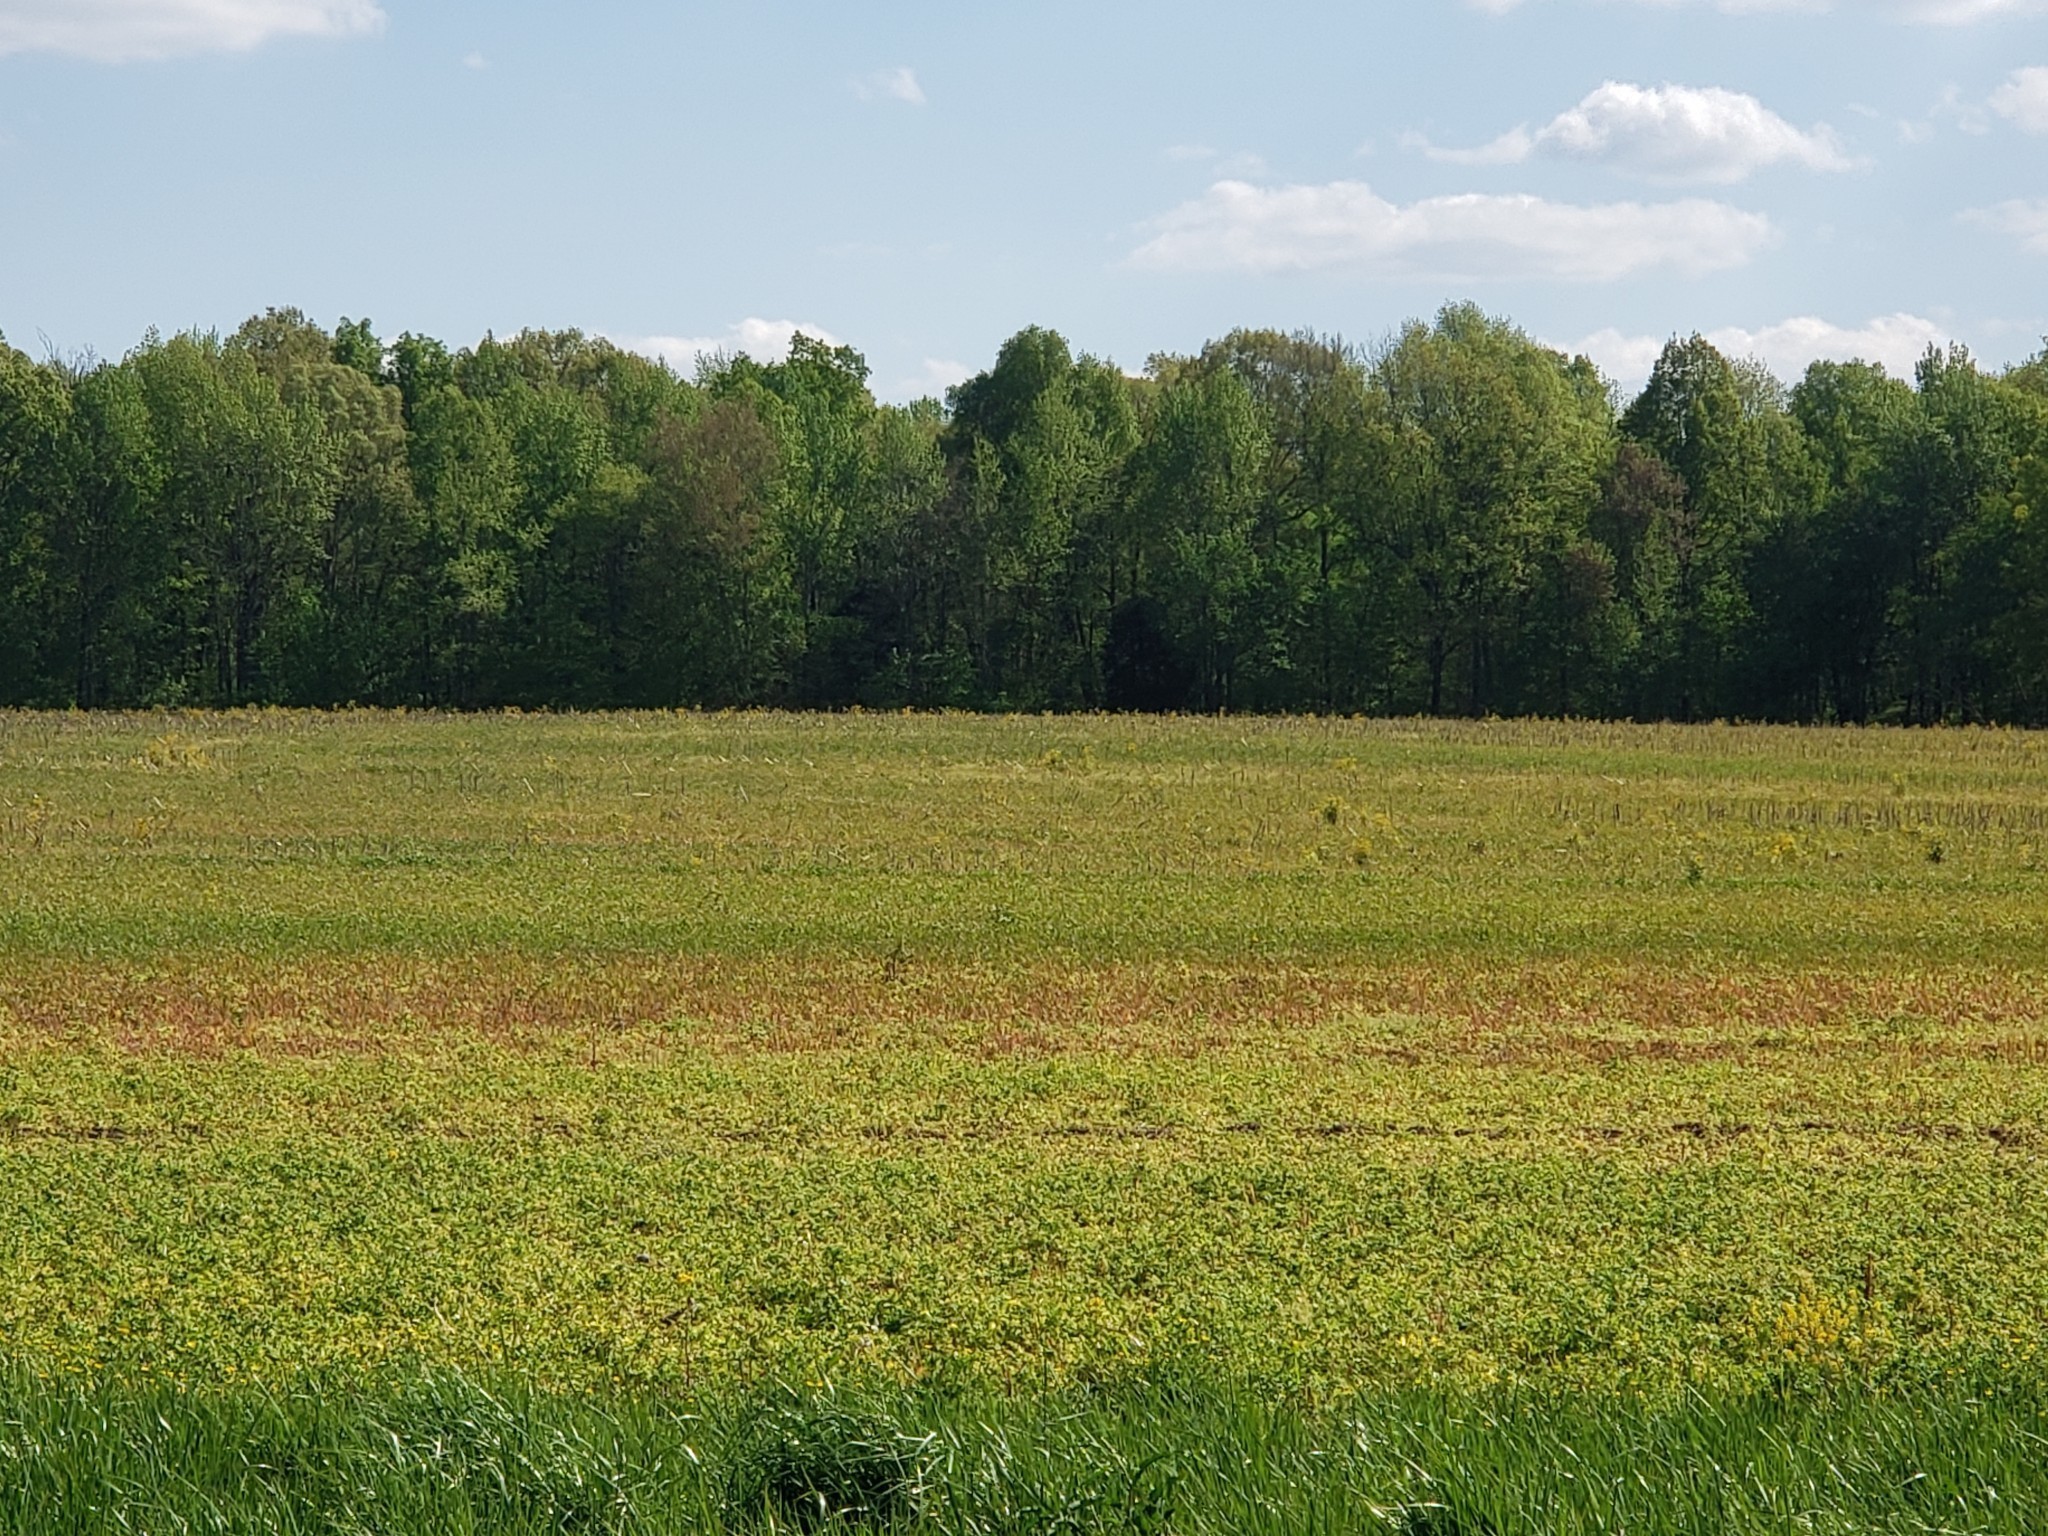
[(437, 1454)]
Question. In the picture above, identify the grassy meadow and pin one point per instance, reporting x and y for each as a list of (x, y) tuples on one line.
[(661, 1058)]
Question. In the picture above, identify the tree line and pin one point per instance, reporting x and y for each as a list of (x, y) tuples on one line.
[(1455, 521)]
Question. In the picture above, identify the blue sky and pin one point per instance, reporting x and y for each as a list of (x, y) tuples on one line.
[(922, 179)]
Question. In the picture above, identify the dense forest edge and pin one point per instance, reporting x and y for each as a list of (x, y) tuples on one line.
[(1457, 520)]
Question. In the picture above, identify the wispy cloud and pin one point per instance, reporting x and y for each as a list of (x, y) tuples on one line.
[(120, 31), (898, 84), (1950, 107), (1669, 133), (1896, 341), (2025, 219), (1345, 225), (1960, 13), (1245, 163), (765, 341), (2023, 99), (1242, 164), (933, 379), (1940, 13)]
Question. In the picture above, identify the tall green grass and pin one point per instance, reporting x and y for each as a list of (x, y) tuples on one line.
[(435, 1454)]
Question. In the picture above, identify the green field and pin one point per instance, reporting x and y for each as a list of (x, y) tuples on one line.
[(639, 1057)]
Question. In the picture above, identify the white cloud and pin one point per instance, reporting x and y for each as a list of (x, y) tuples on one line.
[(933, 379), (2023, 99), (765, 341), (2026, 219), (475, 61), (1625, 359), (1511, 148), (899, 84), (1237, 227), (1895, 341), (1951, 106), (1243, 163), (1670, 133), (1959, 13), (116, 31)]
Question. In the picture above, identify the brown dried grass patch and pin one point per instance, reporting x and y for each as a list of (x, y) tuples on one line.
[(640, 1005)]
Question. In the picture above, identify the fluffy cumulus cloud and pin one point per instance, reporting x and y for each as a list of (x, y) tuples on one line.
[(1668, 133), (2023, 99), (1345, 225), (2025, 219), (765, 341), (117, 31), (1940, 13), (1895, 341)]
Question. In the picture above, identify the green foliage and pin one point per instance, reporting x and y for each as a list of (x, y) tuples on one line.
[(1197, 481), (443, 1454), (688, 1050), (1453, 523), (35, 426), (1491, 451), (735, 1122)]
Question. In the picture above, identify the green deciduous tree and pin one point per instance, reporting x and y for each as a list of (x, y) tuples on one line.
[(1723, 428), (1488, 457), (1452, 521), (35, 428)]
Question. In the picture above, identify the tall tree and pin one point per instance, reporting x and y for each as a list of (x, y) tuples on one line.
[(1827, 586), (467, 485), (1489, 458), (1316, 400), (248, 485), (1037, 446), (1196, 482), (35, 425), (717, 625), (1723, 428)]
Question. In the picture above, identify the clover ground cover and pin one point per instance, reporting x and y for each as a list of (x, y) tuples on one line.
[(669, 1052)]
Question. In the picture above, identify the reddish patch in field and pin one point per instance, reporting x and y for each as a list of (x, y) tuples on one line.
[(1500, 1016)]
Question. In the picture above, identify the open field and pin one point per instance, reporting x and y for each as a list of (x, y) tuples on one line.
[(647, 1058), (675, 1050)]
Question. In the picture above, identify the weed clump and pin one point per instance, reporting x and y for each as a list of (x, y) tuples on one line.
[(829, 1460)]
